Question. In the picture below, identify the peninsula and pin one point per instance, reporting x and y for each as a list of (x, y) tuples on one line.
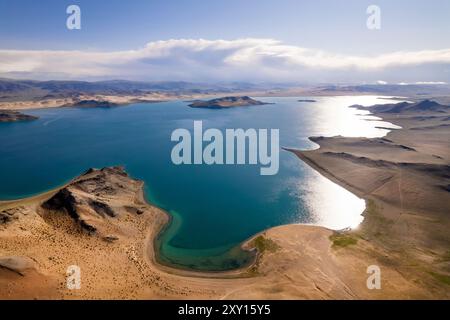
[(13, 116)]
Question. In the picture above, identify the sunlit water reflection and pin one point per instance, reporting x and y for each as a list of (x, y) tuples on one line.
[(329, 204)]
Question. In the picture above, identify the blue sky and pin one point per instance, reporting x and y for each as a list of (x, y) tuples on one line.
[(337, 27)]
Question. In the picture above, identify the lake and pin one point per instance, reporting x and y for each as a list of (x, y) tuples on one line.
[(213, 208)]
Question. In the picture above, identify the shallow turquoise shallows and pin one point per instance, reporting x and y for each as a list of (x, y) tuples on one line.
[(213, 208)]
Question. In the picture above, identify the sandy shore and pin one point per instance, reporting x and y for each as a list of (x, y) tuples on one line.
[(101, 223), (71, 101)]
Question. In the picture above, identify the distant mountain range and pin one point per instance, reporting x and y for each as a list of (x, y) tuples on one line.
[(17, 90), (402, 107), (13, 89)]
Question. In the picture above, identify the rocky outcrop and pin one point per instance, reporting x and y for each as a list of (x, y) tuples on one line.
[(18, 265), (9, 215), (98, 222), (6, 217), (97, 196)]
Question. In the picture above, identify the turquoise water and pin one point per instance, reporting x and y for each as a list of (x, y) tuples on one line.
[(214, 208)]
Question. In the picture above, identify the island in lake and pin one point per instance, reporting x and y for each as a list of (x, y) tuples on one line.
[(14, 116), (92, 103), (307, 100), (227, 102)]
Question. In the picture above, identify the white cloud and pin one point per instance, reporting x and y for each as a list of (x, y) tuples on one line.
[(423, 83), (431, 82), (199, 59)]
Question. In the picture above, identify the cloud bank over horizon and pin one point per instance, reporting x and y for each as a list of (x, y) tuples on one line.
[(262, 60)]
